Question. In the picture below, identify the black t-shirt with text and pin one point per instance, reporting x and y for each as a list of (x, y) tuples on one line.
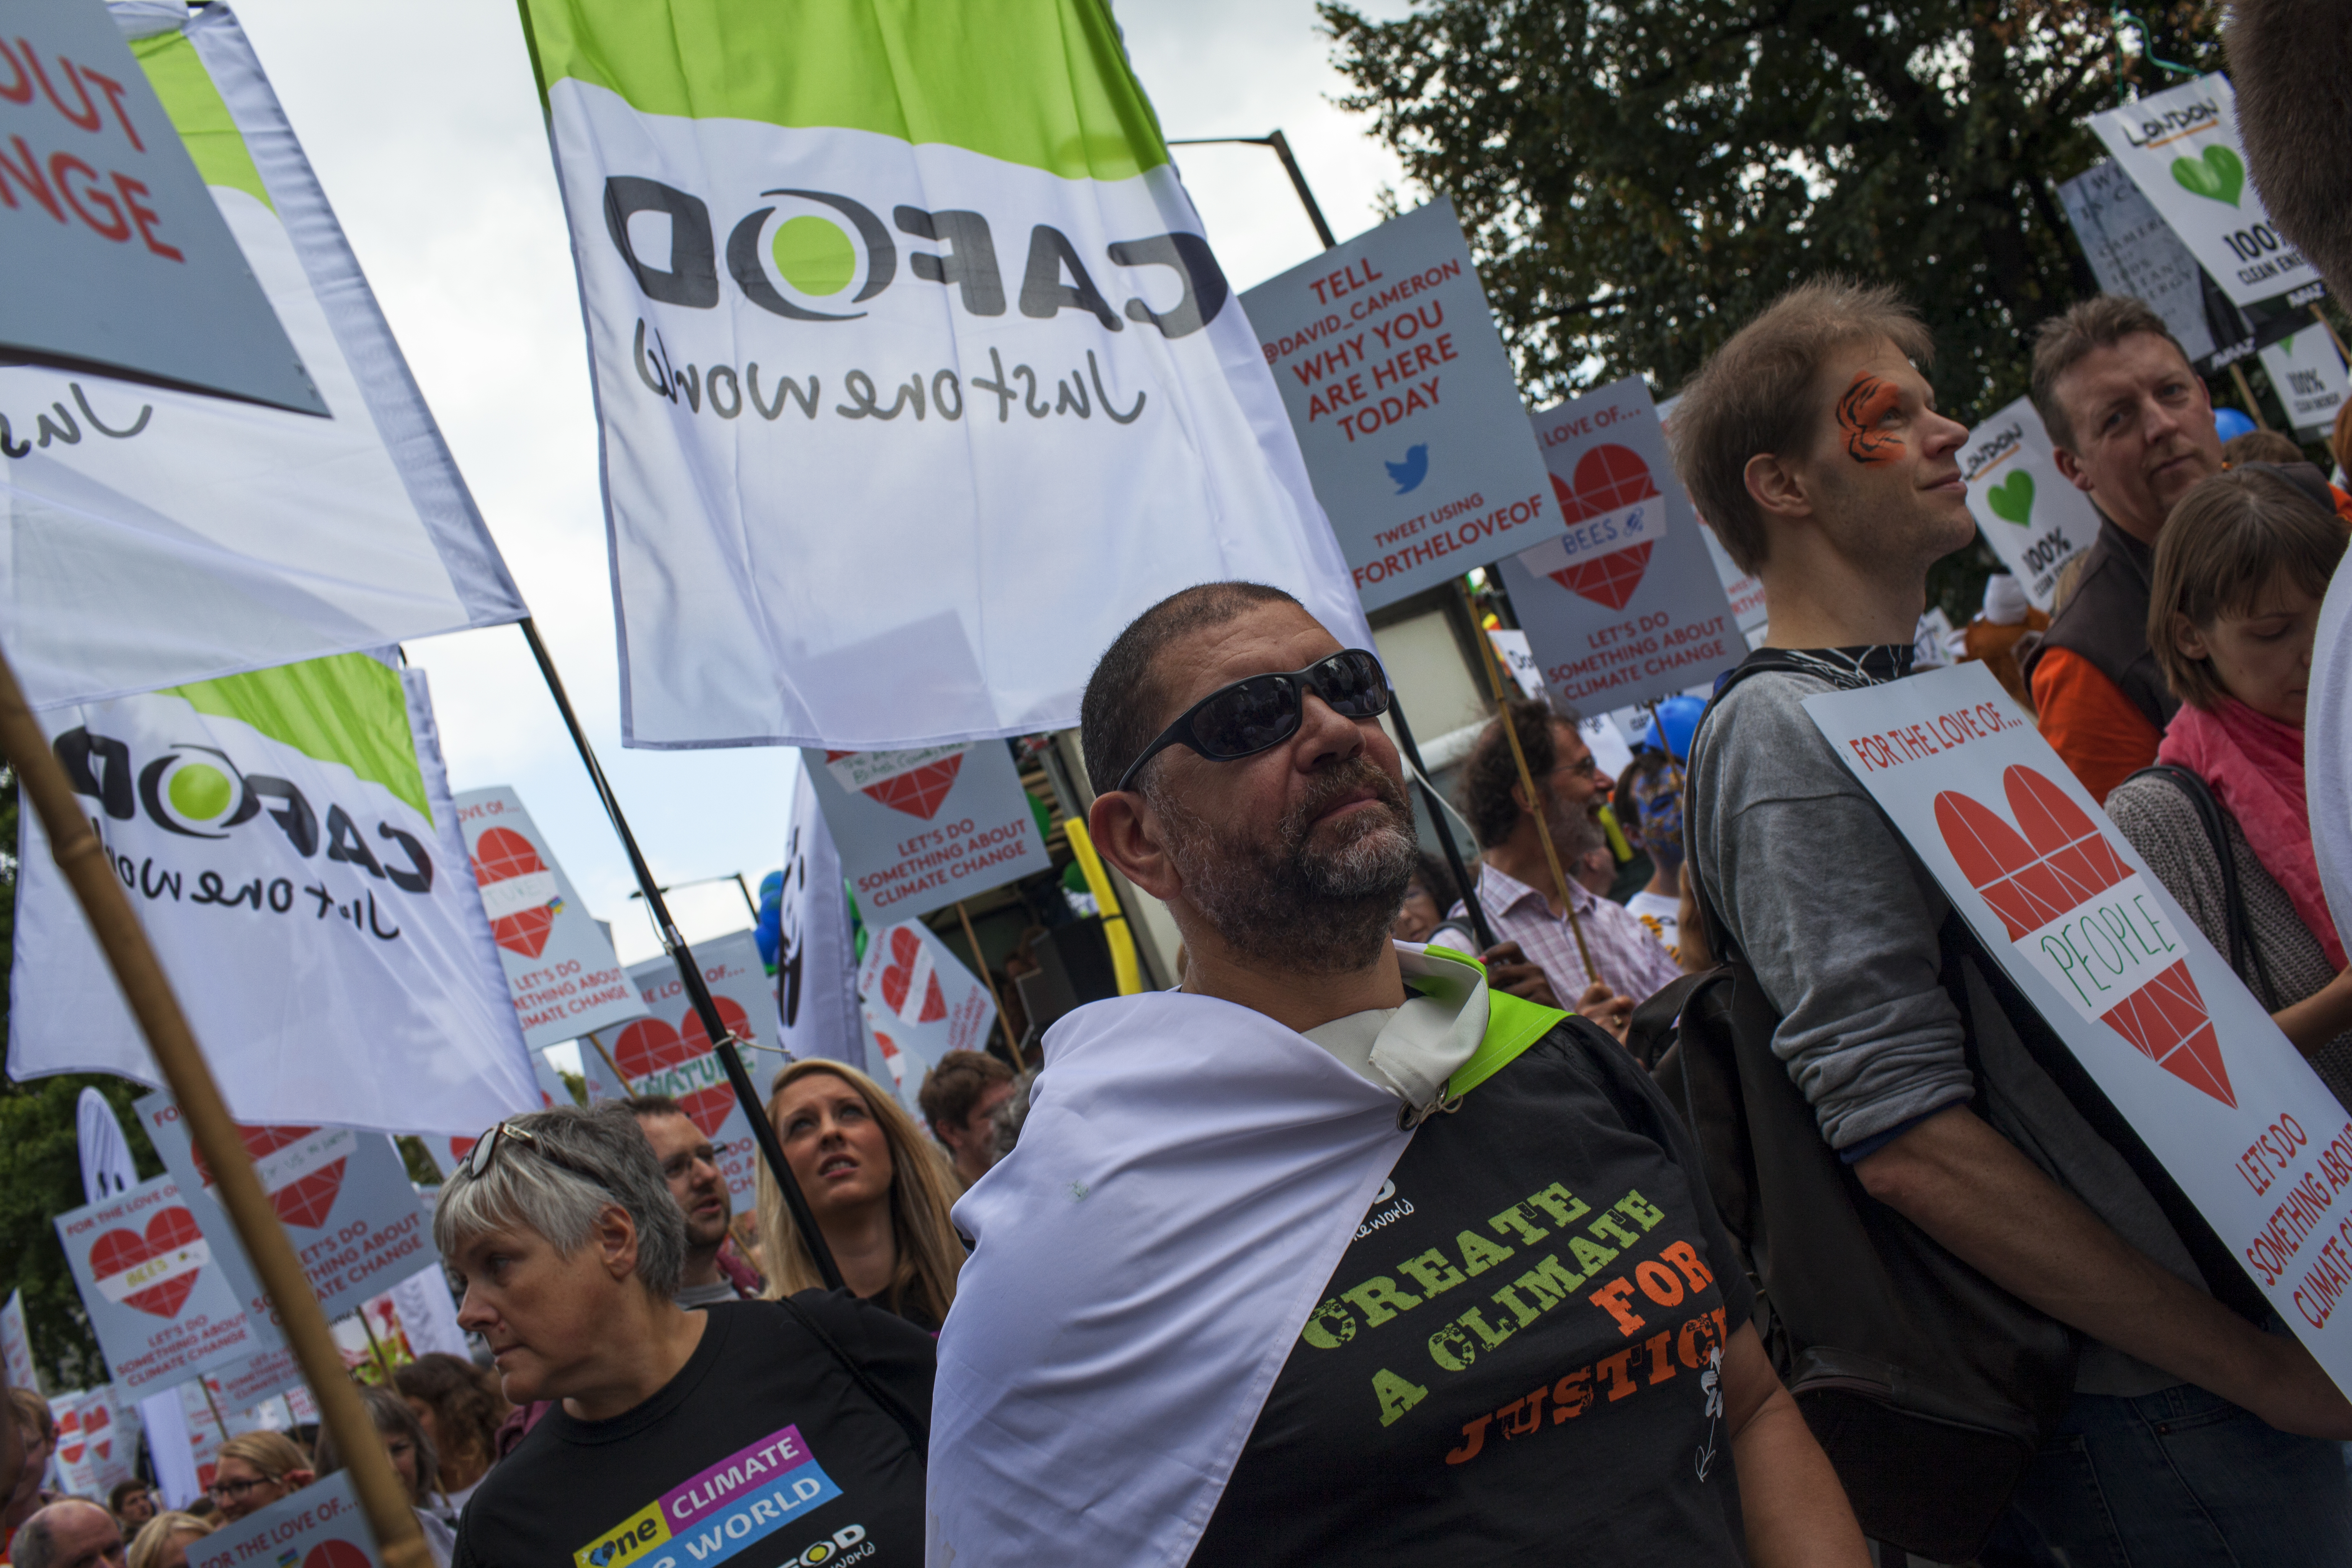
[(762, 1452), (1518, 1359)]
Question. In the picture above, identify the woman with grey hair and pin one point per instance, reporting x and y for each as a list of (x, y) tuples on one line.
[(765, 1433)]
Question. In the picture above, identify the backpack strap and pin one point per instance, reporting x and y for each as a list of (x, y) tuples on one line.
[(2241, 944), (882, 1398), (1513, 1023)]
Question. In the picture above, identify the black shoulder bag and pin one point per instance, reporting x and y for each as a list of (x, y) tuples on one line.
[(883, 1400)]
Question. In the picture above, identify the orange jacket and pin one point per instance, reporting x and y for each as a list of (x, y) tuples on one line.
[(2088, 721)]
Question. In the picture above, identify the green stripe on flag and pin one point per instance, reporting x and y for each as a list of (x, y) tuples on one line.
[(346, 708), (1043, 83), (203, 119)]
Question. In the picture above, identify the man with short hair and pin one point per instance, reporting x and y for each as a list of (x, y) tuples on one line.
[(2133, 428), (1813, 442), (132, 1504), (1514, 883), (689, 1163), (68, 1534), (959, 1099), (1337, 1255)]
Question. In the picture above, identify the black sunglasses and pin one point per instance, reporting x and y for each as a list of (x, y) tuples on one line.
[(1245, 718)]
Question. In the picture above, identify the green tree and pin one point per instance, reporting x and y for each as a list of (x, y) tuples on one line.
[(1639, 178)]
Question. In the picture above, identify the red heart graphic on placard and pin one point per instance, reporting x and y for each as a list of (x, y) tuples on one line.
[(305, 1201), (649, 1045), (2060, 861), (257, 1140), (336, 1555), (1607, 476), (900, 974), (502, 855), (458, 1149), (119, 1251), (918, 792), (69, 1437)]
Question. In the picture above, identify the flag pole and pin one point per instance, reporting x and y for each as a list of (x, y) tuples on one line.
[(82, 860), (1004, 1019), (689, 974)]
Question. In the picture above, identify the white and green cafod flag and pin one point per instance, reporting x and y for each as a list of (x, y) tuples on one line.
[(287, 840), (150, 538), (917, 377)]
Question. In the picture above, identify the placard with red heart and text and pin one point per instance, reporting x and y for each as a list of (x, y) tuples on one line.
[(917, 830), (343, 1196), (920, 1004), (322, 1526), (164, 1308), (668, 1051), (560, 964), (1626, 606), (2062, 901)]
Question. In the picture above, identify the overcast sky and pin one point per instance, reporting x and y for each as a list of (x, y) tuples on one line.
[(423, 125)]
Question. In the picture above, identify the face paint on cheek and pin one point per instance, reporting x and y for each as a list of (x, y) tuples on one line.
[(1867, 401)]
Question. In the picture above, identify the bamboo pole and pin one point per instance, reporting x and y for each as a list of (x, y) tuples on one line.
[(2321, 317), (1003, 1019), (83, 862), (1535, 799), (2246, 391)]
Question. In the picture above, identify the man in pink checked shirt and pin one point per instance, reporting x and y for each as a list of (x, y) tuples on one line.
[(1515, 882)]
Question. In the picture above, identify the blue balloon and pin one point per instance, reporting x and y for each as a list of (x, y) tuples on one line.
[(2228, 424), (1680, 717), (768, 931)]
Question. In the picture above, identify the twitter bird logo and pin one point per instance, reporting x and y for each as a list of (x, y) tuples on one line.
[(1409, 474)]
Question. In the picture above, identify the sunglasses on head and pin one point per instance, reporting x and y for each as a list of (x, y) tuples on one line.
[(485, 1153), (1245, 718)]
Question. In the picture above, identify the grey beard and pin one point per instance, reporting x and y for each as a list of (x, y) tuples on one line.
[(1279, 899)]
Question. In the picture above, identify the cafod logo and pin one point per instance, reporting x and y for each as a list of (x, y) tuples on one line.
[(820, 256), (195, 792)]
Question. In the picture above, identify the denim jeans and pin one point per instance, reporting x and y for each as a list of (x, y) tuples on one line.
[(2176, 1478)]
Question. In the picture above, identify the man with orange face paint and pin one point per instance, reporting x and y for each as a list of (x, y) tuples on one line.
[(1813, 443)]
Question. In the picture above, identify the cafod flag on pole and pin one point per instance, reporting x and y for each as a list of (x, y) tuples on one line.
[(910, 298), (287, 839), (1405, 406), (150, 538), (816, 969), (2180, 147), (2031, 515), (917, 830), (560, 964), (1626, 605), (2179, 1044)]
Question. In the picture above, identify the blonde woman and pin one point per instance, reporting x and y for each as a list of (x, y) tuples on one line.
[(163, 1541), (255, 1470), (878, 1190)]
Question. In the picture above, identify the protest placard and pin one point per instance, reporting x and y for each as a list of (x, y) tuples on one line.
[(72, 1448), (16, 1342), (1626, 605), (816, 969), (667, 1051), (920, 1004), (2031, 515), (2063, 904), (2134, 252), (1405, 406), (161, 1302), (322, 1526), (2307, 373), (2180, 147), (343, 1197), (1744, 590), (559, 962), (1518, 658), (917, 830)]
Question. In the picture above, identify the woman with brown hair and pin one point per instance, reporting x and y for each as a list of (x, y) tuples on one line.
[(2233, 604), (460, 1419), (877, 1188)]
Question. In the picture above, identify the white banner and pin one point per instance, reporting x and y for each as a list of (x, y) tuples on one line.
[(149, 538), (2031, 515), (896, 321), (288, 841), (2180, 147), (560, 964), (816, 970), (16, 1343), (2170, 1034)]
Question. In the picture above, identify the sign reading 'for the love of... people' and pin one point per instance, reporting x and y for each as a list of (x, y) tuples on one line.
[(2060, 899)]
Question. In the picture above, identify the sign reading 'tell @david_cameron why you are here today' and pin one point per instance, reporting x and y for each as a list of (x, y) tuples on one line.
[(559, 964), (1626, 606), (2060, 900), (917, 830), (1406, 407)]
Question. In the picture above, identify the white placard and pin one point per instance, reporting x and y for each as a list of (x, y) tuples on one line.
[(2031, 515), (917, 830), (2308, 376)]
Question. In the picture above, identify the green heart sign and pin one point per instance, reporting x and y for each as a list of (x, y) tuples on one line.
[(2012, 499), (2218, 176)]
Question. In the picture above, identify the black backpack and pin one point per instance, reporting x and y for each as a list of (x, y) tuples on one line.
[(1930, 1389)]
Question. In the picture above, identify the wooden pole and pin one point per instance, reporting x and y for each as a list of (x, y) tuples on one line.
[(212, 1406), (83, 862), (1535, 798), (610, 1065), (1003, 1019), (2246, 391), (2321, 317)]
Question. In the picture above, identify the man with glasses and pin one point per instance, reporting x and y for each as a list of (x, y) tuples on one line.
[(1514, 883), (1336, 1254), (689, 1163)]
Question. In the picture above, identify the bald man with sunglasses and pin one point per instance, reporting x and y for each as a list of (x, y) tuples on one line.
[(1338, 1253)]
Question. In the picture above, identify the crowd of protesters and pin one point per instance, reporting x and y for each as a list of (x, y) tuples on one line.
[(1091, 1348)]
